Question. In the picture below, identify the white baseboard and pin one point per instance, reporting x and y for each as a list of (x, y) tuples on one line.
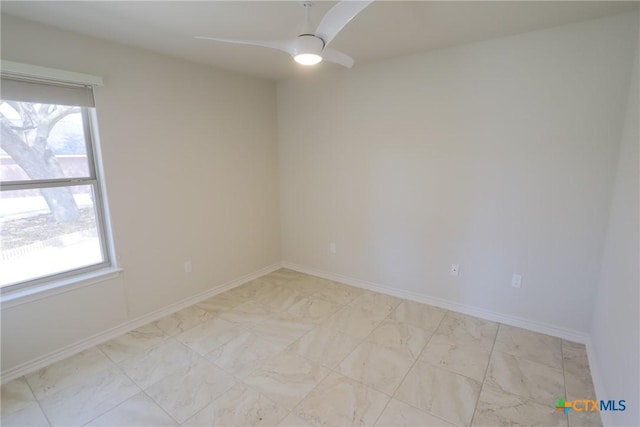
[(598, 383), (482, 313), (70, 350)]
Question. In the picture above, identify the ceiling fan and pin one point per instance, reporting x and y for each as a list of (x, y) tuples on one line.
[(310, 47)]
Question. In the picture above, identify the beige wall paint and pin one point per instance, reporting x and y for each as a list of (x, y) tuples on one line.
[(499, 156), (190, 163), (616, 317)]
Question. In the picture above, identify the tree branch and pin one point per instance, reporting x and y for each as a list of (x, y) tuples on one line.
[(47, 123)]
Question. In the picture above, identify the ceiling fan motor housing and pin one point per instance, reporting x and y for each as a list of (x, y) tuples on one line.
[(307, 44)]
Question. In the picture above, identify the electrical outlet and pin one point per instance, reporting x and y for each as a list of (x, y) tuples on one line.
[(187, 266), (332, 248), (454, 270), (516, 280)]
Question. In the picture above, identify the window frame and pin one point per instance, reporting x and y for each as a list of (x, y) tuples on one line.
[(94, 180)]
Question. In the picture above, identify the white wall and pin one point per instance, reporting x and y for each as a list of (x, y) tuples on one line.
[(497, 155), (616, 319), (190, 163)]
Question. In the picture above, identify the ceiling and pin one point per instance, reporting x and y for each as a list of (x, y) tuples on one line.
[(385, 29)]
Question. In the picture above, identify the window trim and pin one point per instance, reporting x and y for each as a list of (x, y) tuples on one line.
[(61, 282), (15, 297)]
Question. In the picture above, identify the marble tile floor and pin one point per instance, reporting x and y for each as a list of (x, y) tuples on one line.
[(290, 349)]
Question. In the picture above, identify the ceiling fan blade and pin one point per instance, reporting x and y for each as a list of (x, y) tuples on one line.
[(338, 17), (283, 45), (337, 57)]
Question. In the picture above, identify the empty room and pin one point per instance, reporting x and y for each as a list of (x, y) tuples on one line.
[(319, 213)]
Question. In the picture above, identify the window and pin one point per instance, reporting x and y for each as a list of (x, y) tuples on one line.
[(52, 221)]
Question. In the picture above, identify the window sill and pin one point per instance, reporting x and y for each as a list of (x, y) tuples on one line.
[(45, 290)]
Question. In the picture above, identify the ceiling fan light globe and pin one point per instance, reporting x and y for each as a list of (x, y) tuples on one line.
[(307, 58)]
